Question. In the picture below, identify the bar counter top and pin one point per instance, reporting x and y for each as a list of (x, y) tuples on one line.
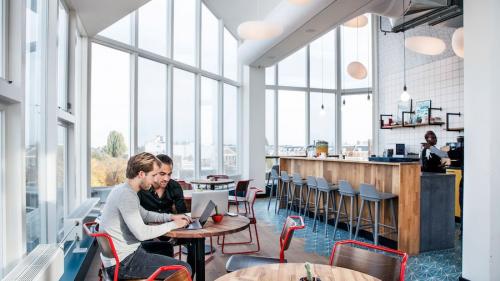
[(335, 159)]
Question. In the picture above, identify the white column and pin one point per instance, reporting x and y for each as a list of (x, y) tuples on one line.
[(254, 134), (481, 244)]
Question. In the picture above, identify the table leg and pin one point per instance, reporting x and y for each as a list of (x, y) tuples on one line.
[(196, 258)]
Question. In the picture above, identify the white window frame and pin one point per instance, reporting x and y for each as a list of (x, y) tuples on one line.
[(4, 31), (3, 228)]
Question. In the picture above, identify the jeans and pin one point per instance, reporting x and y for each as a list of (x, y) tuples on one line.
[(146, 260)]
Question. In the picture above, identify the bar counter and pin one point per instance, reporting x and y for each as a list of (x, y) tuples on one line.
[(402, 179)]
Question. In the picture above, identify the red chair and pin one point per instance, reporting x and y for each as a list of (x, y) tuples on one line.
[(241, 188), (181, 274), (384, 267), (108, 250), (251, 195), (185, 185), (236, 262)]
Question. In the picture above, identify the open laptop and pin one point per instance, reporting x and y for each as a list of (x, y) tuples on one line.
[(200, 222), (200, 199)]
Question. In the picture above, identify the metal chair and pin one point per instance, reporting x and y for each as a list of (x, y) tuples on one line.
[(273, 184), (298, 185), (346, 190), (325, 192), (239, 195), (284, 191), (237, 262), (368, 193), (387, 266), (181, 273)]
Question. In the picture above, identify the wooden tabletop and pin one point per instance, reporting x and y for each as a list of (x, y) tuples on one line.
[(217, 182), (294, 271), (226, 226)]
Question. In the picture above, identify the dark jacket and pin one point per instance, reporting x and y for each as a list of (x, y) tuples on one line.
[(173, 196), (431, 164)]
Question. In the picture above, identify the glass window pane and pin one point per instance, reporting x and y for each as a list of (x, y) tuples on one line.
[(36, 32), (270, 141), (120, 31), (153, 27), (356, 126), (184, 31), (357, 46), (62, 58), (152, 107), (183, 124), (230, 56), (209, 40), (270, 75), (322, 55), (292, 70), (322, 122), (231, 158), (61, 181), (291, 122), (209, 93), (2, 50), (110, 115)]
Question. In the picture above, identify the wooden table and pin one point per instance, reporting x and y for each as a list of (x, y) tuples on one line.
[(212, 183), (196, 248), (294, 271)]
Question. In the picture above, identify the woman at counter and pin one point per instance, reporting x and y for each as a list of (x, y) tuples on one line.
[(431, 157)]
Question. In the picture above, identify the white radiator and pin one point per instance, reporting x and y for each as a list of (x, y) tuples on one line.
[(44, 263), (76, 218)]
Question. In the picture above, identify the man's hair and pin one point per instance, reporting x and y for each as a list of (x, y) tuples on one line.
[(141, 162), (165, 159), (429, 133)]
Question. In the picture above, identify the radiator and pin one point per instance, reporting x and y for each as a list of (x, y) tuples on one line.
[(44, 263), (73, 222)]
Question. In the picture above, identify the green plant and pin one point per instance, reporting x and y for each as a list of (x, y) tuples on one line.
[(308, 271), (216, 210)]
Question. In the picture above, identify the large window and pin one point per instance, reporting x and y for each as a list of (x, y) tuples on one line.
[(153, 27), (209, 40), (120, 31), (209, 125), (356, 131), (356, 46), (3, 39), (185, 31), (36, 34), (62, 58), (152, 107), (291, 122), (230, 154), (184, 125), (322, 60), (292, 70), (270, 121), (230, 56), (110, 115), (61, 179), (322, 121)]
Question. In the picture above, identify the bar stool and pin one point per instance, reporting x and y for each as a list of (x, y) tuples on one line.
[(311, 186), (369, 193), (327, 193), (346, 190), (284, 192), (298, 184), (274, 184)]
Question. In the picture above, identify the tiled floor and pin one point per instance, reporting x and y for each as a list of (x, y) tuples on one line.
[(437, 265)]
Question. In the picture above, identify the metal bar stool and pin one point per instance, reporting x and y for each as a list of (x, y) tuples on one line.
[(284, 192), (274, 184), (311, 186), (327, 193), (346, 190), (369, 193), (298, 184)]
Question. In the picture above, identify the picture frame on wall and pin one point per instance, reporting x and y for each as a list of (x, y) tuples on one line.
[(422, 111), (404, 106)]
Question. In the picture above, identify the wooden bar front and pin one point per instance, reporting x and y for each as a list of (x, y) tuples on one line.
[(402, 179)]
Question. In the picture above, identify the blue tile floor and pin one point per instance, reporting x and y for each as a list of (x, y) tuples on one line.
[(436, 265)]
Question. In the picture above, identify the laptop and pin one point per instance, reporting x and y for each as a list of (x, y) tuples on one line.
[(200, 222), (200, 200)]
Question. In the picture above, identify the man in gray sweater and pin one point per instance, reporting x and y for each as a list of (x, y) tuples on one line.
[(127, 223)]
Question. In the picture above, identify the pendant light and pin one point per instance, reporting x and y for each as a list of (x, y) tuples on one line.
[(457, 42), (259, 29), (357, 22), (426, 45), (356, 69), (405, 96), (299, 2)]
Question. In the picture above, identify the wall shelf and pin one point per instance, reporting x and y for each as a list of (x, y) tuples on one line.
[(458, 129)]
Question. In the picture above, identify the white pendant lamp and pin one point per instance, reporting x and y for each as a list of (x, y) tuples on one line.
[(457, 42), (259, 30), (299, 2), (357, 70), (426, 45), (357, 22)]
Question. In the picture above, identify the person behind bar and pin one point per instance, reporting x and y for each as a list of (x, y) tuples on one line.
[(165, 195), (431, 156)]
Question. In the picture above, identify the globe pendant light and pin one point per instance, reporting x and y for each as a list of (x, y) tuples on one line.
[(405, 96), (426, 45), (259, 29), (299, 2), (457, 42), (357, 22), (356, 69)]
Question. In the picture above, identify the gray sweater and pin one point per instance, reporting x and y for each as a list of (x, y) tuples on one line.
[(125, 220)]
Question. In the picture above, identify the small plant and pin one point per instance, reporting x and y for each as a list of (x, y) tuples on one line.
[(308, 271), (216, 210)]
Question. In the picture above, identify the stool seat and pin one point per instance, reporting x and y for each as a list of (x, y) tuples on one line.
[(237, 262), (381, 196)]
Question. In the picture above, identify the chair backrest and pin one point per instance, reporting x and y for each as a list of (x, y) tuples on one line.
[(181, 274), (274, 172), (284, 176), (185, 185), (346, 188), (297, 179), (242, 187), (105, 244), (368, 190), (388, 266), (251, 196), (287, 233), (217, 177), (311, 181), (322, 183)]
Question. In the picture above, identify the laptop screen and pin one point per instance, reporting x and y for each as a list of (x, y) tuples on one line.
[(206, 213)]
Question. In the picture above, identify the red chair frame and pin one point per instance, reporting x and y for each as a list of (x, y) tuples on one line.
[(287, 236), (403, 255), (167, 268)]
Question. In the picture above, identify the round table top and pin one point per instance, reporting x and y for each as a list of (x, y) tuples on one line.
[(188, 193), (226, 226), (217, 182), (294, 271)]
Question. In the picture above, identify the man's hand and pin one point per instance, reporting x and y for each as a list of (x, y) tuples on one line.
[(181, 223), (181, 220)]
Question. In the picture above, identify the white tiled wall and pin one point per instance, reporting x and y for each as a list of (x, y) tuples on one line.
[(438, 78)]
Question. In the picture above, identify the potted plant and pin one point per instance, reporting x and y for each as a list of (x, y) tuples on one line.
[(309, 276), (217, 218)]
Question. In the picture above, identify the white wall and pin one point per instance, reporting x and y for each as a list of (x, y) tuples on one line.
[(481, 245), (438, 78)]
